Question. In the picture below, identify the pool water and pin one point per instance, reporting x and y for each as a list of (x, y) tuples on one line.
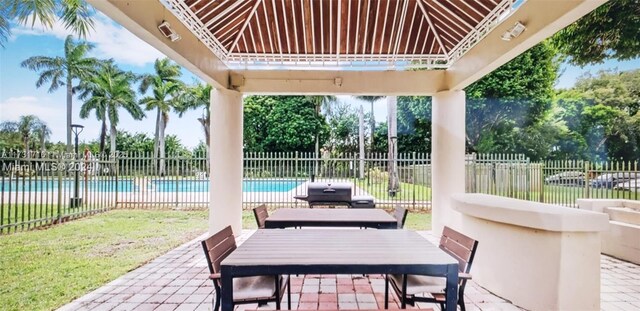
[(157, 185)]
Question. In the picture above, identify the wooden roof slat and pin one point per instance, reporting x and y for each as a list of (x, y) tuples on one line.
[(445, 26), (295, 27), (330, 32), (244, 26), (286, 20), (410, 33), (275, 24), (268, 18), (435, 34), (345, 27)]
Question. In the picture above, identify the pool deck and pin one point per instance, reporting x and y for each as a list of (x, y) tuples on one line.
[(178, 280)]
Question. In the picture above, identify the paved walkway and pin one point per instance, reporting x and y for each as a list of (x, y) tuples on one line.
[(178, 281)]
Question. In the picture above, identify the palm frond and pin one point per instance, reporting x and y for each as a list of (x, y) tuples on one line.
[(77, 17), (5, 29), (37, 63), (28, 12)]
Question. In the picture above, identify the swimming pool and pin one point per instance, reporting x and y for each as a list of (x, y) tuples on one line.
[(154, 185)]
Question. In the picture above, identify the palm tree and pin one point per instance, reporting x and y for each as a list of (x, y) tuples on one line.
[(108, 90), (25, 127), (43, 132), (167, 90), (371, 100), (319, 102), (197, 97), (76, 15), (59, 71)]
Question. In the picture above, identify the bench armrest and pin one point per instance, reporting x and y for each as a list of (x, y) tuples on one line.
[(464, 276)]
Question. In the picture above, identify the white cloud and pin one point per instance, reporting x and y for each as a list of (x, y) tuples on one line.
[(110, 39), (14, 107)]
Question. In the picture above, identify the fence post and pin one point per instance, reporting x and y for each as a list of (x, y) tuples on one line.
[(413, 178), (542, 184), (117, 166), (176, 176), (587, 189), (295, 167)]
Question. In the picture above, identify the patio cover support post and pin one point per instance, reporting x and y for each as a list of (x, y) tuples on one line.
[(225, 182), (447, 156)]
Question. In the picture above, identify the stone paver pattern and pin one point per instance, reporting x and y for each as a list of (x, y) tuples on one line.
[(178, 280)]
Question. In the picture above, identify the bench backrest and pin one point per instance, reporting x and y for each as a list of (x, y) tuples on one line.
[(400, 213), (460, 247), (217, 247), (261, 215)]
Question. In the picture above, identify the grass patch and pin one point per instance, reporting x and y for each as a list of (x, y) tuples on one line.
[(408, 192), (44, 269), (418, 220)]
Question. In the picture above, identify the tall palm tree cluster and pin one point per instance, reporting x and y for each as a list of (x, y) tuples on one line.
[(107, 90)]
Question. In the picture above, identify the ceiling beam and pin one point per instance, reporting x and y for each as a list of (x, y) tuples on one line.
[(316, 82), (492, 52), (142, 19)]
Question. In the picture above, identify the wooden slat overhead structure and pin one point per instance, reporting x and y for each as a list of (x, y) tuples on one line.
[(356, 34)]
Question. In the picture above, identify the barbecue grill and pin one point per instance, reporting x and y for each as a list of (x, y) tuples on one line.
[(334, 194)]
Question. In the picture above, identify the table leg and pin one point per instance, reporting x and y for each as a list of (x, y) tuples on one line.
[(452, 288), (227, 290)]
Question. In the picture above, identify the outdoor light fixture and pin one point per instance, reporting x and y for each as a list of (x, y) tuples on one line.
[(513, 32), (76, 201), (167, 31)]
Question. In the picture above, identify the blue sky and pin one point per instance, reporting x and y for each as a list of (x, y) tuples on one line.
[(19, 96)]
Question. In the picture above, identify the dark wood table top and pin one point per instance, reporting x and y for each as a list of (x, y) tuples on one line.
[(306, 217), (337, 247), (340, 251)]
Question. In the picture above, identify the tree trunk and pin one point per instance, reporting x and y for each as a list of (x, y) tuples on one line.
[(43, 147), (69, 111), (317, 144), (103, 135), (25, 141), (156, 142), (205, 121), (162, 126), (112, 135), (373, 126), (361, 141), (394, 181)]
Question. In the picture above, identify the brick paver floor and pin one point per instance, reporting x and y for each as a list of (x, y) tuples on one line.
[(178, 281)]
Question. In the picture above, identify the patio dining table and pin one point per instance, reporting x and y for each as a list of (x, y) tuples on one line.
[(318, 251), (314, 217)]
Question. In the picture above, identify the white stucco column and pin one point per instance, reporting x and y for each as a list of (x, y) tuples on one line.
[(225, 170), (447, 156)]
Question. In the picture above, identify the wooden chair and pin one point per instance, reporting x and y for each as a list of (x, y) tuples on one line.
[(261, 213), (400, 213), (456, 244), (251, 289)]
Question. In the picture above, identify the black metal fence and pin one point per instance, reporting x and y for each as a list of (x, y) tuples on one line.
[(40, 189)]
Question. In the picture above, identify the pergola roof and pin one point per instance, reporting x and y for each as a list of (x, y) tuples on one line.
[(230, 45), (346, 34)]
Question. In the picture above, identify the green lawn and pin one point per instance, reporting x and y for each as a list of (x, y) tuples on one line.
[(44, 269), (380, 192)]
